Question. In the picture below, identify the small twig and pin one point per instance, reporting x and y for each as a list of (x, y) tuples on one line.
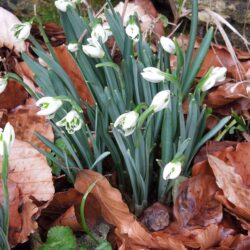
[(82, 36), (174, 11), (101, 10)]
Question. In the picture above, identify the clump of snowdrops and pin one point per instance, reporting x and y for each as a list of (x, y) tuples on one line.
[(138, 118)]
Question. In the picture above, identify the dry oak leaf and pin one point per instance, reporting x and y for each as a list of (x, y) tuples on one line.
[(25, 121), (7, 37), (131, 234)]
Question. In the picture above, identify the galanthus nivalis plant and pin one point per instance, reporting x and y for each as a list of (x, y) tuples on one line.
[(138, 113)]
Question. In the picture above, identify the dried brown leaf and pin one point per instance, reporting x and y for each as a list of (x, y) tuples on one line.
[(129, 231), (195, 204)]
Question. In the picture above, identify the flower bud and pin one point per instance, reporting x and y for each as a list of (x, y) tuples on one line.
[(132, 29), (72, 47), (99, 32), (72, 122), (3, 84), (62, 5), (172, 170), (161, 100), (152, 74), (126, 123), (218, 74), (7, 136), (93, 49), (49, 105), (21, 31), (167, 44)]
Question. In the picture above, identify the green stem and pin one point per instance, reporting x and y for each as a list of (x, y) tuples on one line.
[(226, 129)]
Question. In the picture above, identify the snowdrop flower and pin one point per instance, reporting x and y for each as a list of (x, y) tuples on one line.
[(72, 122), (49, 105), (93, 49), (42, 62), (167, 44), (72, 47), (126, 123), (7, 136), (218, 74), (161, 101), (132, 29), (152, 74), (107, 29), (62, 5), (21, 31), (3, 84), (172, 170), (99, 32)]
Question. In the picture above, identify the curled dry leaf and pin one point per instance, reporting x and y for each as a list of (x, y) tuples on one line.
[(29, 171), (25, 122), (131, 234), (235, 193), (7, 38), (195, 203)]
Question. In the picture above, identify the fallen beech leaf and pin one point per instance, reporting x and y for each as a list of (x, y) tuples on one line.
[(225, 94), (241, 164), (195, 204), (13, 95), (7, 38), (74, 73), (129, 231), (230, 182), (25, 121), (29, 171)]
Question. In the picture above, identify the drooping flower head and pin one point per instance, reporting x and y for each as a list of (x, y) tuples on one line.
[(217, 74), (152, 74), (62, 5), (126, 123), (132, 29), (167, 44), (99, 32), (93, 49), (49, 105), (22, 30), (172, 170), (7, 136), (161, 100), (72, 122)]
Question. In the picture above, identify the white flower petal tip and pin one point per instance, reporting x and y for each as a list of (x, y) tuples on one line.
[(161, 100), (21, 31), (62, 5), (72, 122), (72, 47), (167, 44), (49, 105), (7, 136), (3, 84), (153, 75), (126, 123), (172, 170)]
